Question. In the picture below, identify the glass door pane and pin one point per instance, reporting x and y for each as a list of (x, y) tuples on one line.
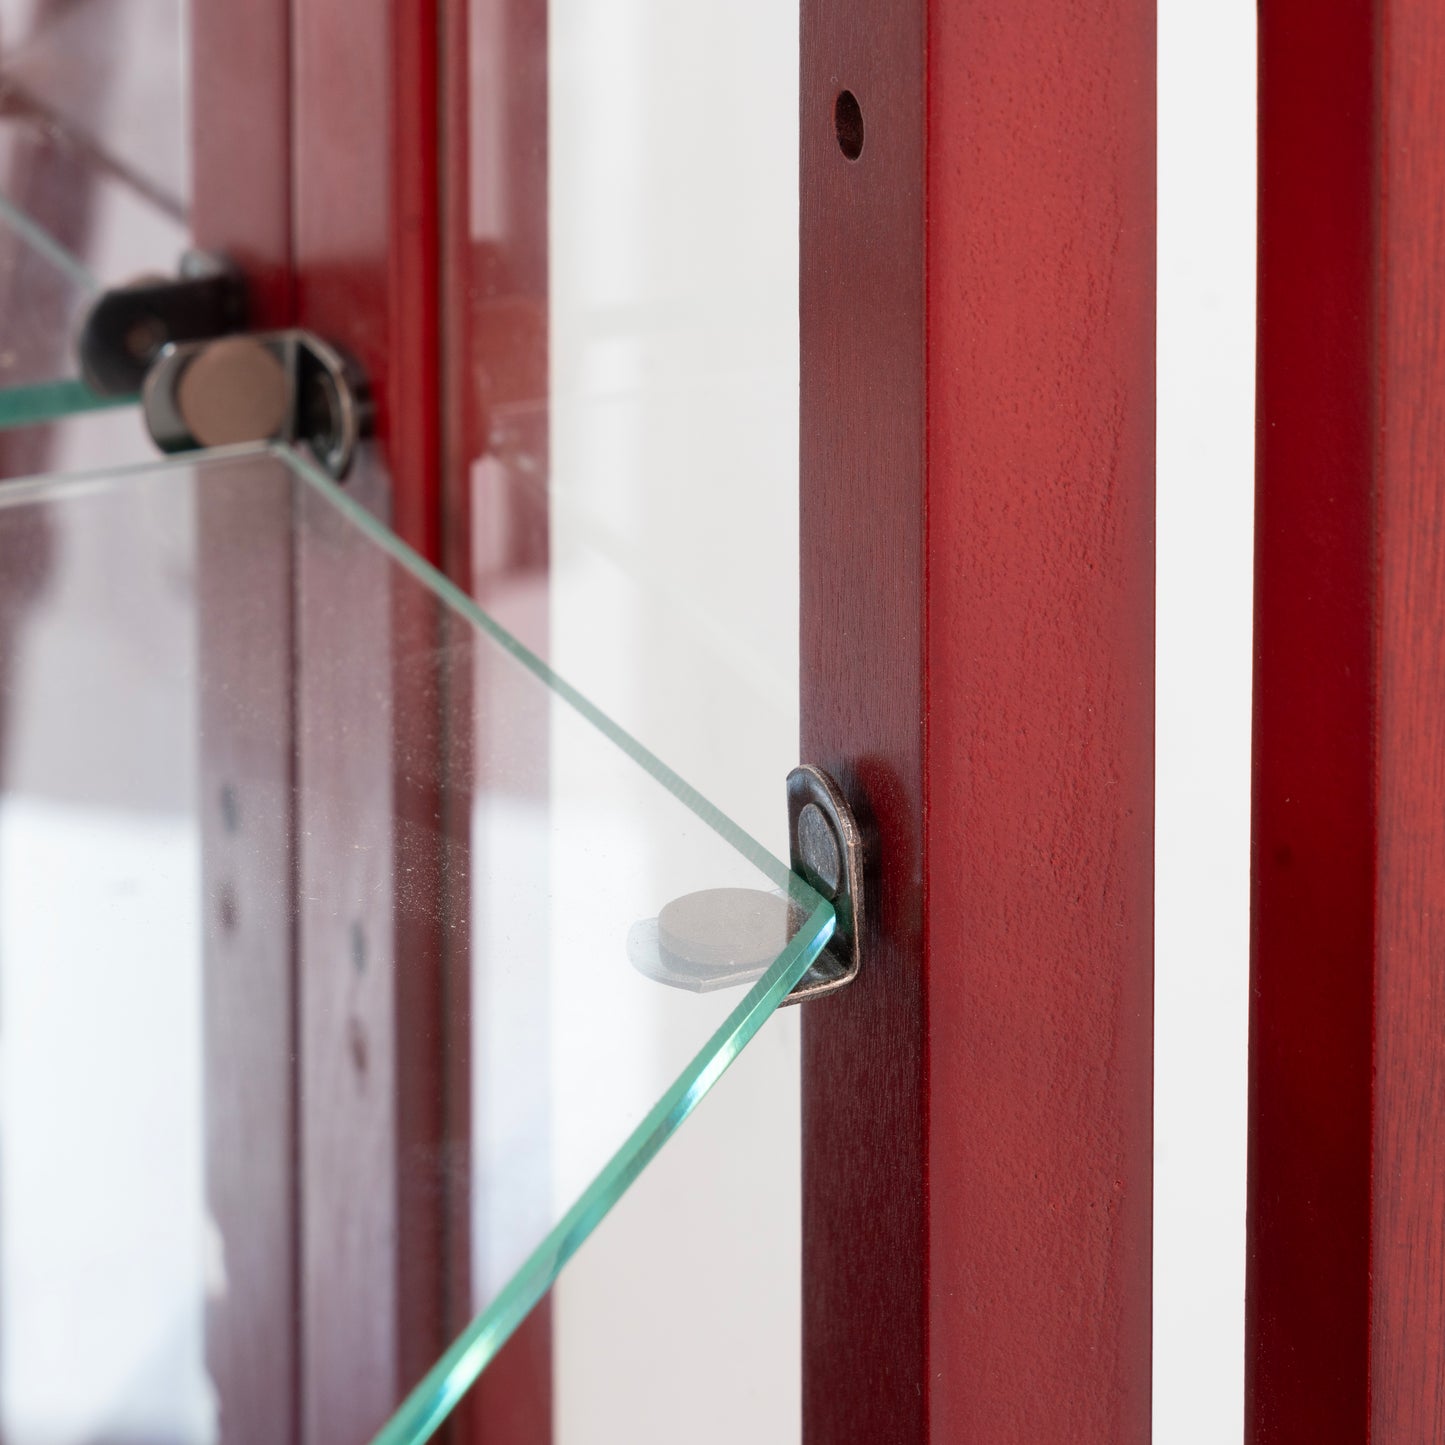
[(262, 770), (622, 434), (93, 179)]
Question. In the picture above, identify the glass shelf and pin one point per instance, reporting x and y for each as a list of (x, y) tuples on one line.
[(75, 216), (47, 294), (320, 1039)]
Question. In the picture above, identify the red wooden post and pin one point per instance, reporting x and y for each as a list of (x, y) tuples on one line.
[(316, 154), (351, 211), (367, 254), (241, 204), (240, 96), (977, 655), (494, 504), (1346, 1271), (248, 896)]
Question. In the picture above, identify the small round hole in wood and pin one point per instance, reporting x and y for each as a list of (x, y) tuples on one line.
[(848, 122)]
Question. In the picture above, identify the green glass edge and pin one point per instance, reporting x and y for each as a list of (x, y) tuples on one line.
[(44, 401), (428, 1405), (445, 588), (441, 1389), (54, 487)]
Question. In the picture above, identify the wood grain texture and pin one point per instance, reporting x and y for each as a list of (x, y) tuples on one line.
[(977, 653), (1407, 1237), (1038, 962), (1346, 1282)]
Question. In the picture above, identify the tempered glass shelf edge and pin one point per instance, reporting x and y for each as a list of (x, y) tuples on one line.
[(427, 1407), (700, 1051), (436, 581), (432, 1401), (27, 489), (37, 401), (45, 401), (17, 491)]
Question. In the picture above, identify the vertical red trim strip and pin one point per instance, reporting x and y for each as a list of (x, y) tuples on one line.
[(1314, 825), (495, 518), (241, 145), (414, 277), (367, 249), (367, 225), (241, 165), (861, 304), (1407, 1340), (1346, 1293), (977, 653), (1040, 719)]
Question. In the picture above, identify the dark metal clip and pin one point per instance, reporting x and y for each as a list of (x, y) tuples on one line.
[(826, 851), (127, 328)]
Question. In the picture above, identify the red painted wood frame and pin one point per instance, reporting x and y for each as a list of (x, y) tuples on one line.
[(493, 494), (977, 659), (977, 324), (1346, 1268), (346, 195), (315, 145)]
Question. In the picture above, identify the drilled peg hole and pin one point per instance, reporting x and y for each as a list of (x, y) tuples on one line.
[(848, 122)]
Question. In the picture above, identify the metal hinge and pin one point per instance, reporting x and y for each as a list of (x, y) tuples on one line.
[(204, 381), (724, 937)]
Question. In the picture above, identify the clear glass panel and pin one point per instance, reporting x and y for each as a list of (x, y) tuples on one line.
[(109, 77), (46, 295), (621, 422), (93, 129), (326, 1030)]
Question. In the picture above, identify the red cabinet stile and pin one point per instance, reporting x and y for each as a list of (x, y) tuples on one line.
[(1346, 1266), (977, 662)]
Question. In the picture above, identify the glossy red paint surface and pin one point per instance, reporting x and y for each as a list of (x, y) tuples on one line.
[(977, 424), (1346, 1284)]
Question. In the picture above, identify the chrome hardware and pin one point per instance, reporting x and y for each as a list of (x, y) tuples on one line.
[(724, 937), (286, 386), (205, 382)]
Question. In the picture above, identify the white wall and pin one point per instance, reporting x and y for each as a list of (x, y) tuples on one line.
[(673, 250), (1205, 552)]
